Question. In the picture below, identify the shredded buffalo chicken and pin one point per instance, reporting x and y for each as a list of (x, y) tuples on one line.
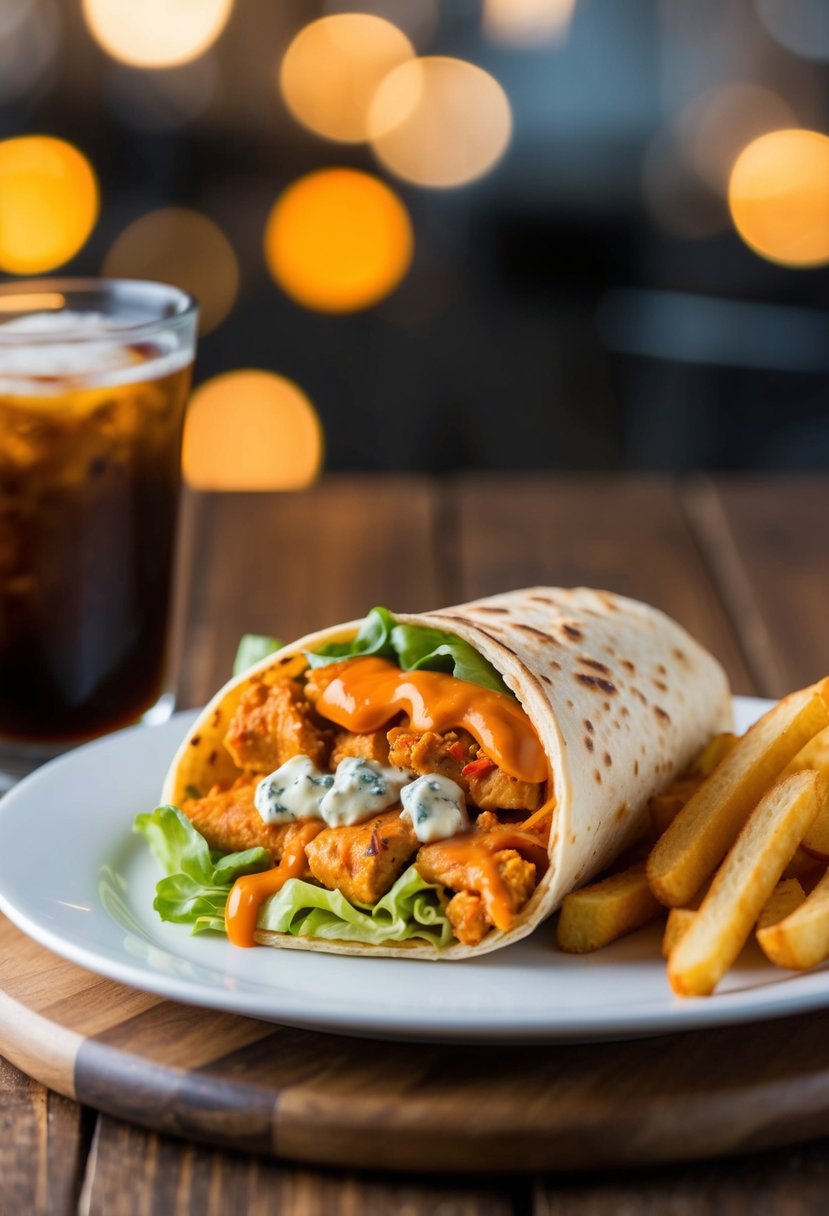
[(450, 754), (276, 719), (363, 861), (273, 723)]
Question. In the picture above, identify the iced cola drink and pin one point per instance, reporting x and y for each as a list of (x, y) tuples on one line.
[(91, 415)]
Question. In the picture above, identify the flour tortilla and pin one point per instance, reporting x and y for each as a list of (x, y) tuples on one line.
[(622, 699)]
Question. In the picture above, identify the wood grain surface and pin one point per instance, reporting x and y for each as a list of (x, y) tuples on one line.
[(325, 1099), (744, 565)]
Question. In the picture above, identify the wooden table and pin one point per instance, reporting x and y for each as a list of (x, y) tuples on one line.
[(743, 564)]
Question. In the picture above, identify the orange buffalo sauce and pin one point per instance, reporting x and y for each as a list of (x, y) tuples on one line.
[(364, 694), (251, 890), (475, 853)]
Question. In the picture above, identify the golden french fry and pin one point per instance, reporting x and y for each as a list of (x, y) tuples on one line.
[(786, 896), (707, 826), (596, 915), (816, 840), (666, 805), (712, 754), (744, 883), (679, 920), (801, 939), (663, 808), (814, 755), (676, 926)]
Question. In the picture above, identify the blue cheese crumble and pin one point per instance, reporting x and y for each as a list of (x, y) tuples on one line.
[(361, 788), (436, 807), (293, 791)]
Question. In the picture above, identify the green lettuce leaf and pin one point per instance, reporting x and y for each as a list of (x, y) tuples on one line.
[(197, 883), (374, 638), (253, 647), (419, 648), (412, 908), (413, 648)]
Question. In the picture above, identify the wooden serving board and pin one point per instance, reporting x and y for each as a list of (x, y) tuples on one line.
[(253, 1086)]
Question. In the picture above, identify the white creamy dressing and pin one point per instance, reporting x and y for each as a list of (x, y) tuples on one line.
[(359, 789), (436, 806), (293, 791)]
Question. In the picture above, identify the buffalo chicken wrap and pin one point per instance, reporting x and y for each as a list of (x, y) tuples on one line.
[(430, 784)]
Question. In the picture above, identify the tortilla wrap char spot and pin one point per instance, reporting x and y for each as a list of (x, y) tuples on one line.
[(620, 696)]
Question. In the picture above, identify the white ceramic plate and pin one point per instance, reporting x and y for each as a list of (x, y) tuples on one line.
[(75, 879)]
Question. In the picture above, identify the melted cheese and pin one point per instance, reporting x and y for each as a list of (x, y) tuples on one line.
[(364, 694)]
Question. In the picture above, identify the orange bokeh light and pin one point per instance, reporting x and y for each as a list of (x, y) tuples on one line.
[(156, 33), (333, 68), (251, 430), (185, 248), (716, 125), (778, 195), (338, 240), (48, 203), (437, 121)]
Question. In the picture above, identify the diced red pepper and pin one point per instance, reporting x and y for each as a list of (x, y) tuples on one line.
[(478, 767), (457, 751)]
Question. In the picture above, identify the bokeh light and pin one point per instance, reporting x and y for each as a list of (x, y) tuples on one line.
[(439, 122), (801, 26), (333, 67), (156, 33), (33, 301), (714, 127), (48, 203), (779, 197), (338, 240), (527, 22), (687, 164), (251, 430), (182, 247)]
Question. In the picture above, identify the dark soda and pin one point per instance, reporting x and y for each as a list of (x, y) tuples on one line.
[(89, 488)]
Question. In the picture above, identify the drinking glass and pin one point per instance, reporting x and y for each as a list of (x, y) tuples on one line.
[(94, 378)]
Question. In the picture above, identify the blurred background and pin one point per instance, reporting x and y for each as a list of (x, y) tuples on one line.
[(447, 234)]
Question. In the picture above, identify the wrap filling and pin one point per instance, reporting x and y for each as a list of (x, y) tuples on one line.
[(393, 790)]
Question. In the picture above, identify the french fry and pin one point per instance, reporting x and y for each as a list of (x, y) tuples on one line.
[(816, 840), (744, 883), (679, 920), (676, 926), (801, 939), (663, 808), (814, 755), (707, 826), (786, 896), (596, 915), (712, 754)]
